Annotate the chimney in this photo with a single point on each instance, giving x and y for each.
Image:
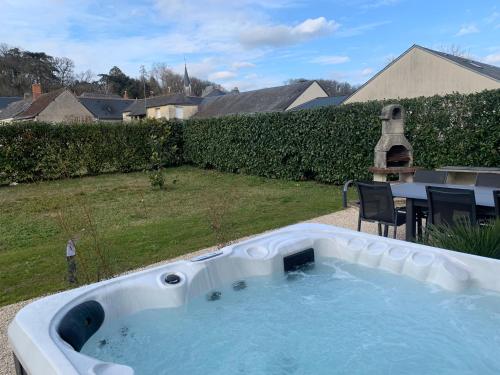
(36, 90)
(125, 94)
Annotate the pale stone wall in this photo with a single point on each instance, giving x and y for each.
(189, 111)
(421, 73)
(168, 111)
(126, 117)
(312, 92)
(65, 108)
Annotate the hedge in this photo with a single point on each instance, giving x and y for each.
(330, 144)
(33, 151)
(334, 144)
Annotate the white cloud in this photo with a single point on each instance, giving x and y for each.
(281, 35)
(222, 75)
(494, 58)
(361, 29)
(467, 29)
(330, 60)
(379, 3)
(366, 71)
(242, 64)
(493, 17)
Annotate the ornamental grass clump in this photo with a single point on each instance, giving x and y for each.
(483, 240)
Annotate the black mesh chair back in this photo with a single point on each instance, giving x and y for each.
(488, 179)
(430, 177)
(449, 206)
(376, 201)
(496, 198)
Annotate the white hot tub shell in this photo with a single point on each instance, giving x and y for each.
(34, 334)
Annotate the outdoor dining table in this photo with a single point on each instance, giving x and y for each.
(416, 198)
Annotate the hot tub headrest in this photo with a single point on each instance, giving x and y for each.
(81, 322)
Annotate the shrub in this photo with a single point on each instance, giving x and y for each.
(335, 144)
(32, 151)
(472, 239)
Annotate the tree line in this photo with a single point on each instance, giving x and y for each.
(19, 69)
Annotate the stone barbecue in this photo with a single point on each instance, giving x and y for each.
(393, 152)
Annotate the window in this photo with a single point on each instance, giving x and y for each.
(179, 112)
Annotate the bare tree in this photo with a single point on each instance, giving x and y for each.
(169, 81)
(455, 50)
(64, 70)
(87, 76)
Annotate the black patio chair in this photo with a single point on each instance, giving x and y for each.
(377, 206)
(488, 179)
(496, 198)
(449, 205)
(430, 177)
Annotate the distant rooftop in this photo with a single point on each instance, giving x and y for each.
(100, 95)
(106, 108)
(6, 100)
(322, 102)
(272, 99)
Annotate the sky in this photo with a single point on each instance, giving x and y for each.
(250, 44)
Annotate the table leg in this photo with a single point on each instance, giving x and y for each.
(411, 219)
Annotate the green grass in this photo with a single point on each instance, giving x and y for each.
(136, 225)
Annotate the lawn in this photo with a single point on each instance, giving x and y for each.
(124, 224)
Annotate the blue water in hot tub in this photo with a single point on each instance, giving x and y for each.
(335, 318)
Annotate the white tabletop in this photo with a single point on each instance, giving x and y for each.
(416, 190)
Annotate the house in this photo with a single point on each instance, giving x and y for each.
(55, 106)
(272, 99)
(421, 71)
(175, 106)
(63, 106)
(215, 102)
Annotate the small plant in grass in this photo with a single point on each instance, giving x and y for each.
(218, 208)
(464, 237)
(92, 259)
(161, 151)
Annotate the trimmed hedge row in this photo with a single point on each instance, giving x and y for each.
(334, 144)
(36, 151)
(330, 144)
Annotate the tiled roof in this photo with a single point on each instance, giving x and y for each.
(39, 105)
(136, 108)
(99, 95)
(321, 102)
(14, 109)
(272, 99)
(6, 100)
(106, 108)
(174, 99)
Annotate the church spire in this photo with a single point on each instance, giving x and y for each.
(186, 80)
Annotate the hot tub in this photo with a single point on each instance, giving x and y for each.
(305, 299)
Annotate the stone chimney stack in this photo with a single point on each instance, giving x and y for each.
(36, 90)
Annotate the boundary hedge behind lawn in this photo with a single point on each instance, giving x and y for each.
(334, 144)
(33, 151)
(330, 144)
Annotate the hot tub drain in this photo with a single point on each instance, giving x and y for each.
(172, 279)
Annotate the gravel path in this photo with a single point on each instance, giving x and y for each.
(346, 218)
